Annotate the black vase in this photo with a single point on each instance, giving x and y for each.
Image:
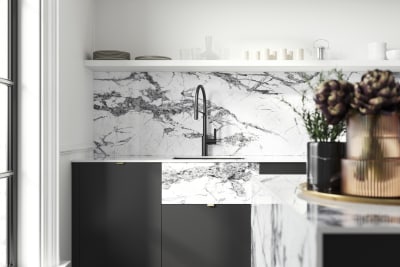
(324, 166)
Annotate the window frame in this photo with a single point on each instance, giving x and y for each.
(11, 174)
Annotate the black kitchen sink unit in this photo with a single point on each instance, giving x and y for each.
(118, 220)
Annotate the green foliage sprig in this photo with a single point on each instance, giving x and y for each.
(318, 128)
(316, 125)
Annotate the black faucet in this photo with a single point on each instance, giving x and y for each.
(204, 140)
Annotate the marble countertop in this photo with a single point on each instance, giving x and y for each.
(189, 159)
(290, 230)
(331, 215)
(266, 190)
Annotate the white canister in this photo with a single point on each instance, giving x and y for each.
(377, 51)
(299, 54)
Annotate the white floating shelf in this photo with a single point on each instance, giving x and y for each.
(243, 66)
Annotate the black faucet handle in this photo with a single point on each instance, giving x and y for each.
(212, 141)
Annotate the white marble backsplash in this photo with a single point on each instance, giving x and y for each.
(151, 113)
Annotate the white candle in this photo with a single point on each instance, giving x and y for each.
(258, 55)
(247, 55)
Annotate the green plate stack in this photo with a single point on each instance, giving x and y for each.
(152, 58)
(111, 55)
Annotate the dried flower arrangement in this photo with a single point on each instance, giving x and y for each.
(376, 93)
(371, 108)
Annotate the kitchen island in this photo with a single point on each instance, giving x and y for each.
(297, 230)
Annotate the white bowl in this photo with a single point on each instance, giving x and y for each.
(393, 54)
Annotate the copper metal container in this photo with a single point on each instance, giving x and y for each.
(372, 167)
(371, 178)
(373, 136)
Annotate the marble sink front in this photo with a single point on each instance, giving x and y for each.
(213, 183)
(207, 157)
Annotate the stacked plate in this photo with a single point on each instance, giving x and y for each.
(152, 58)
(111, 55)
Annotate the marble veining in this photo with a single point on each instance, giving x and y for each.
(281, 239)
(151, 113)
(213, 183)
(289, 232)
(329, 214)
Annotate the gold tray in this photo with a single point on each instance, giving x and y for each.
(347, 198)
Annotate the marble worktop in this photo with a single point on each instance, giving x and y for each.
(171, 159)
(290, 229)
(330, 215)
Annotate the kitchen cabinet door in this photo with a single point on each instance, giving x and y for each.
(199, 236)
(116, 214)
(360, 249)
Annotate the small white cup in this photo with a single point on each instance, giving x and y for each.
(393, 54)
(377, 51)
(196, 53)
(185, 54)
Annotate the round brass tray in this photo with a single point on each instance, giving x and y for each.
(346, 198)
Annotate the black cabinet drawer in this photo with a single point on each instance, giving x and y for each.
(199, 236)
(116, 214)
(283, 168)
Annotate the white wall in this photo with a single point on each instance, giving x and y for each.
(65, 199)
(163, 27)
(76, 104)
(29, 134)
(75, 80)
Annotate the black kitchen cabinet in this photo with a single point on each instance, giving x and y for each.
(201, 236)
(360, 250)
(116, 214)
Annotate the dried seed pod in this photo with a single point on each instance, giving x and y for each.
(333, 98)
(377, 92)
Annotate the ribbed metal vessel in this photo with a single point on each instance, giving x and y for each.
(359, 147)
(372, 166)
(371, 178)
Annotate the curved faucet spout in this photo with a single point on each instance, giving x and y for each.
(196, 104)
(204, 139)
